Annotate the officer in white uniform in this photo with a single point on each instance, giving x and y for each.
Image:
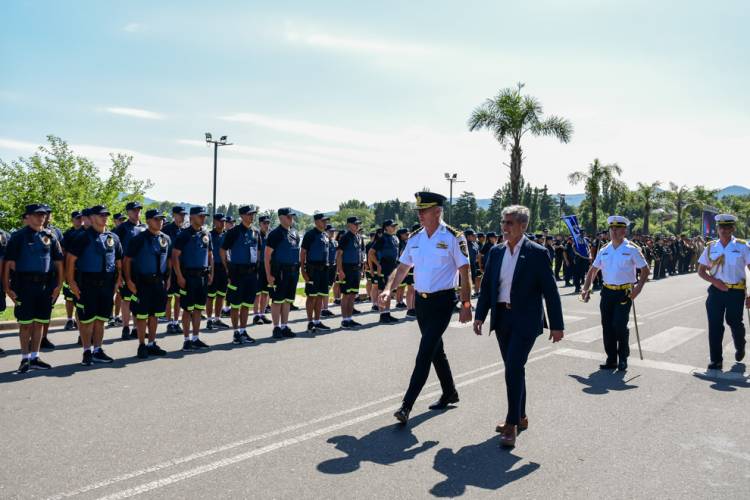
(619, 261)
(438, 254)
(723, 263)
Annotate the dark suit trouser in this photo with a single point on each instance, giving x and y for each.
(615, 309)
(720, 305)
(433, 316)
(515, 346)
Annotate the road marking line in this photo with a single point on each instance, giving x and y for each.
(572, 319)
(668, 339)
(659, 365)
(229, 446)
(592, 334)
(180, 476)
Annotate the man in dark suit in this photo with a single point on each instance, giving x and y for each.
(517, 276)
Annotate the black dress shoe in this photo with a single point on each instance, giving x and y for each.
(622, 366)
(402, 415)
(609, 365)
(444, 401)
(715, 365)
(739, 355)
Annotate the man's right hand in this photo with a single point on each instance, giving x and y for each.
(720, 285)
(342, 275)
(384, 298)
(585, 295)
(271, 280)
(132, 288)
(181, 282)
(478, 326)
(75, 290)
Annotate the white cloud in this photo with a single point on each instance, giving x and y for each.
(132, 27)
(318, 39)
(136, 113)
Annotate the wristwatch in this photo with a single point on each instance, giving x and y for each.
(466, 304)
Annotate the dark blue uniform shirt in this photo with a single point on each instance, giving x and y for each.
(149, 253)
(316, 243)
(126, 231)
(33, 251)
(285, 245)
(386, 247)
(194, 246)
(96, 252)
(242, 244)
(351, 247)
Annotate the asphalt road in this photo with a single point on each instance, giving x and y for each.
(311, 417)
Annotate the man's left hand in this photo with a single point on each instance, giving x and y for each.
(556, 335)
(635, 292)
(747, 302)
(465, 315)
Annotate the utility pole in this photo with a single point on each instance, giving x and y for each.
(451, 178)
(221, 142)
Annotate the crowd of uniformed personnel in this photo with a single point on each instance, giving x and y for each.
(133, 272)
(142, 271)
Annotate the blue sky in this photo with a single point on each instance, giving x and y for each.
(327, 101)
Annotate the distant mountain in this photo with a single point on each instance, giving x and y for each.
(573, 200)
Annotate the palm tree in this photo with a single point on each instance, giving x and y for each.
(598, 177)
(510, 116)
(681, 198)
(648, 195)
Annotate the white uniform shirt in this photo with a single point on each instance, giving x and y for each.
(618, 265)
(726, 263)
(436, 259)
(507, 269)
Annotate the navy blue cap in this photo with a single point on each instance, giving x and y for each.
(247, 209)
(154, 213)
(86, 212)
(229, 218)
(118, 216)
(401, 231)
(98, 210)
(264, 218)
(469, 232)
(132, 205)
(492, 234)
(330, 227)
(219, 216)
(388, 223)
(285, 211)
(353, 220)
(198, 210)
(47, 208)
(426, 199)
(35, 208)
(177, 209)
(75, 214)
(321, 217)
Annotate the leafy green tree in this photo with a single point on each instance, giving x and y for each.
(57, 176)
(595, 179)
(649, 197)
(464, 211)
(354, 208)
(679, 198)
(510, 116)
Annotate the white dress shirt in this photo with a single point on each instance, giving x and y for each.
(436, 259)
(507, 268)
(618, 265)
(726, 263)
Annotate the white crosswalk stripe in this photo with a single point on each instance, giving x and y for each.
(668, 339)
(592, 334)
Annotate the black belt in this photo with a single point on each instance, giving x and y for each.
(287, 267)
(96, 279)
(33, 277)
(504, 305)
(202, 271)
(150, 279)
(316, 265)
(432, 295)
(350, 267)
(242, 269)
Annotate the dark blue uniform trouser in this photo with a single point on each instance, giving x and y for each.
(580, 268)
(615, 309)
(721, 305)
(515, 345)
(433, 316)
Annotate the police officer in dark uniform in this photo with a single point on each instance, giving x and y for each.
(94, 272)
(445, 255)
(261, 296)
(383, 256)
(117, 219)
(403, 236)
(240, 254)
(331, 269)
(314, 265)
(31, 255)
(471, 241)
(282, 270)
(217, 290)
(126, 231)
(490, 241)
(172, 230)
(46, 343)
(147, 274)
(4, 238)
(193, 263)
(67, 239)
(348, 266)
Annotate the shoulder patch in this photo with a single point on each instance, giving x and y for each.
(455, 232)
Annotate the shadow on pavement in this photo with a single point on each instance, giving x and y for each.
(484, 465)
(602, 382)
(725, 383)
(385, 446)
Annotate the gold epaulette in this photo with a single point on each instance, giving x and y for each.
(455, 232)
(414, 233)
(740, 241)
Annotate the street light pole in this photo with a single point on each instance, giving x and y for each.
(222, 141)
(451, 178)
(562, 202)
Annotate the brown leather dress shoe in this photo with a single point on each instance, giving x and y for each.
(508, 437)
(522, 426)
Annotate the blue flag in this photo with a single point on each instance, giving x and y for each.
(579, 244)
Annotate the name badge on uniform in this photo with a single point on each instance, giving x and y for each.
(442, 244)
(625, 253)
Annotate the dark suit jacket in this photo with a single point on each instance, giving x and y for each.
(532, 280)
